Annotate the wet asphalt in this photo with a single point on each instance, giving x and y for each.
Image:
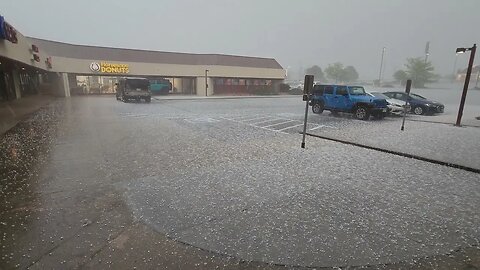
(90, 182)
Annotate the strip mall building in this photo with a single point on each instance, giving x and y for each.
(31, 65)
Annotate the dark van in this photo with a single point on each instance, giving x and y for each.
(133, 89)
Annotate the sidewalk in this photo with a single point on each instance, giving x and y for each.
(12, 112)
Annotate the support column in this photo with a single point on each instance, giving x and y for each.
(16, 83)
(178, 84)
(65, 84)
(201, 86)
(276, 85)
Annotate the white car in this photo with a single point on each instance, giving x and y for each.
(296, 85)
(395, 106)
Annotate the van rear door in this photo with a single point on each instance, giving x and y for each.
(140, 85)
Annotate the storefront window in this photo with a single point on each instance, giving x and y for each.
(28, 83)
(94, 85)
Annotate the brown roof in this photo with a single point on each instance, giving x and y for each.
(61, 49)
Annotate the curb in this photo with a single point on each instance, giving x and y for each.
(25, 116)
(225, 97)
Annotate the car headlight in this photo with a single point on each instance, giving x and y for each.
(428, 104)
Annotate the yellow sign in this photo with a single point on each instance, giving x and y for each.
(105, 67)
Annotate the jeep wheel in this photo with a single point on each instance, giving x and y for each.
(362, 113)
(317, 108)
(418, 110)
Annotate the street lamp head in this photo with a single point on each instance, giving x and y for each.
(462, 50)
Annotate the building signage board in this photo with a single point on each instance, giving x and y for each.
(7, 32)
(2, 28)
(112, 68)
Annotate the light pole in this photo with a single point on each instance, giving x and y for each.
(206, 82)
(427, 51)
(454, 74)
(467, 80)
(381, 67)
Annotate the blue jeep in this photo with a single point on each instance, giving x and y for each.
(349, 99)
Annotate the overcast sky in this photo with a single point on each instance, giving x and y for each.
(298, 33)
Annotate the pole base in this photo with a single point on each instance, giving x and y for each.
(303, 145)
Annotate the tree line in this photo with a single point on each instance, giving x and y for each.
(418, 70)
(335, 72)
(421, 72)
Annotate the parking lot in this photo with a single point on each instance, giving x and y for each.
(223, 183)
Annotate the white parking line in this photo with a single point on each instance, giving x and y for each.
(289, 127)
(322, 126)
(317, 127)
(258, 118)
(281, 123)
(266, 121)
(134, 115)
(243, 118)
(240, 122)
(201, 120)
(274, 130)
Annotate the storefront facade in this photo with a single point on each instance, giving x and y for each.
(28, 65)
(24, 68)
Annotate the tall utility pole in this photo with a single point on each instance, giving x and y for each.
(467, 80)
(427, 51)
(206, 82)
(381, 67)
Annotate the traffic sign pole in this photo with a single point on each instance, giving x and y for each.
(407, 91)
(307, 89)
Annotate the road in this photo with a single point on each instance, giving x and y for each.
(90, 182)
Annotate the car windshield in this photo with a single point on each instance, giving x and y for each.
(356, 90)
(415, 96)
(379, 95)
